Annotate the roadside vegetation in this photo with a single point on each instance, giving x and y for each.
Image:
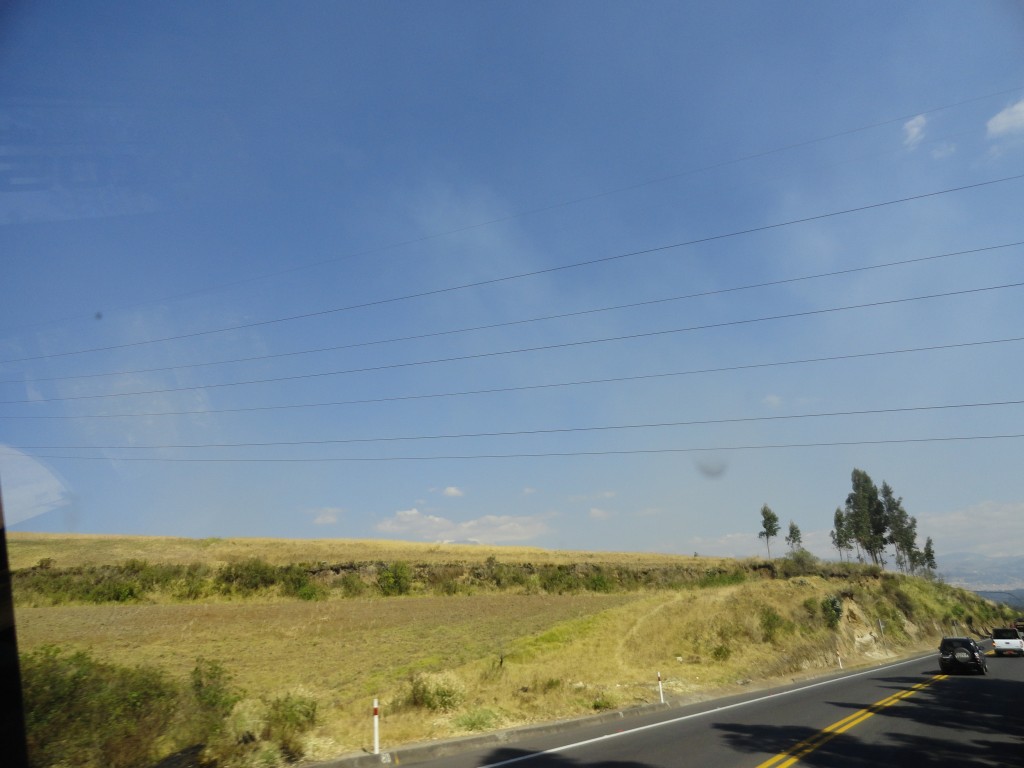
(85, 712)
(46, 583)
(257, 661)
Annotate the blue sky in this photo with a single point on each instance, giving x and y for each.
(279, 270)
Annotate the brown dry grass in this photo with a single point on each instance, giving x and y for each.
(67, 550)
(343, 652)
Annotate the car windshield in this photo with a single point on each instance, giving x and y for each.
(380, 349)
(956, 642)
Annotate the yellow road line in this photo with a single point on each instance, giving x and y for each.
(798, 751)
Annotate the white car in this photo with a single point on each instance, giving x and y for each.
(1007, 641)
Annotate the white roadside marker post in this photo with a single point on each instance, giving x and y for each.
(376, 727)
(661, 691)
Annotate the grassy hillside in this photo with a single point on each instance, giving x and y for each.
(478, 638)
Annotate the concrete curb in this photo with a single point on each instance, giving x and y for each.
(411, 753)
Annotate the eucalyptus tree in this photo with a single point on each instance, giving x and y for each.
(769, 527)
(794, 539)
(841, 537)
(866, 515)
(902, 527)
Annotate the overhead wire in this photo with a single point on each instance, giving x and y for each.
(548, 454)
(566, 203)
(521, 350)
(510, 323)
(524, 432)
(507, 278)
(526, 387)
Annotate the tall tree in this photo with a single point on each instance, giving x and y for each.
(866, 514)
(929, 554)
(793, 538)
(902, 528)
(840, 533)
(769, 527)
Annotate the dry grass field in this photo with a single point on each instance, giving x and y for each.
(27, 549)
(343, 652)
(509, 657)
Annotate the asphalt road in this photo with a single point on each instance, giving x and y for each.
(907, 715)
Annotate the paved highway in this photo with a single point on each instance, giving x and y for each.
(906, 714)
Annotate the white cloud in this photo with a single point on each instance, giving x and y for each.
(327, 516)
(1009, 121)
(529, 491)
(913, 131)
(451, 490)
(30, 488)
(945, 149)
(489, 529)
(772, 401)
(599, 514)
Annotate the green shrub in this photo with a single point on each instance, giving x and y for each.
(127, 582)
(446, 579)
(799, 563)
(559, 579)
(114, 589)
(352, 585)
(296, 581)
(721, 652)
(247, 576)
(832, 610)
(394, 579)
(288, 718)
(599, 581)
(477, 720)
(261, 733)
(194, 582)
(89, 714)
(437, 691)
(603, 701)
(214, 695)
(503, 575)
(771, 624)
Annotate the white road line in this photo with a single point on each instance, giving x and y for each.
(638, 729)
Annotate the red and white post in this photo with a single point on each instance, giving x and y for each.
(661, 691)
(376, 727)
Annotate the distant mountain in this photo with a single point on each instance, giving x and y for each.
(1012, 597)
(981, 573)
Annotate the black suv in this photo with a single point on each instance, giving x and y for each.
(961, 653)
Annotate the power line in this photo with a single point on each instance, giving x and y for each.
(521, 350)
(561, 204)
(528, 387)
(524, 432)
(553, 454)
(560, 316)
(507, 278)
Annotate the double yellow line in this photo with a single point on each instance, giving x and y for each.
(825, 735)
